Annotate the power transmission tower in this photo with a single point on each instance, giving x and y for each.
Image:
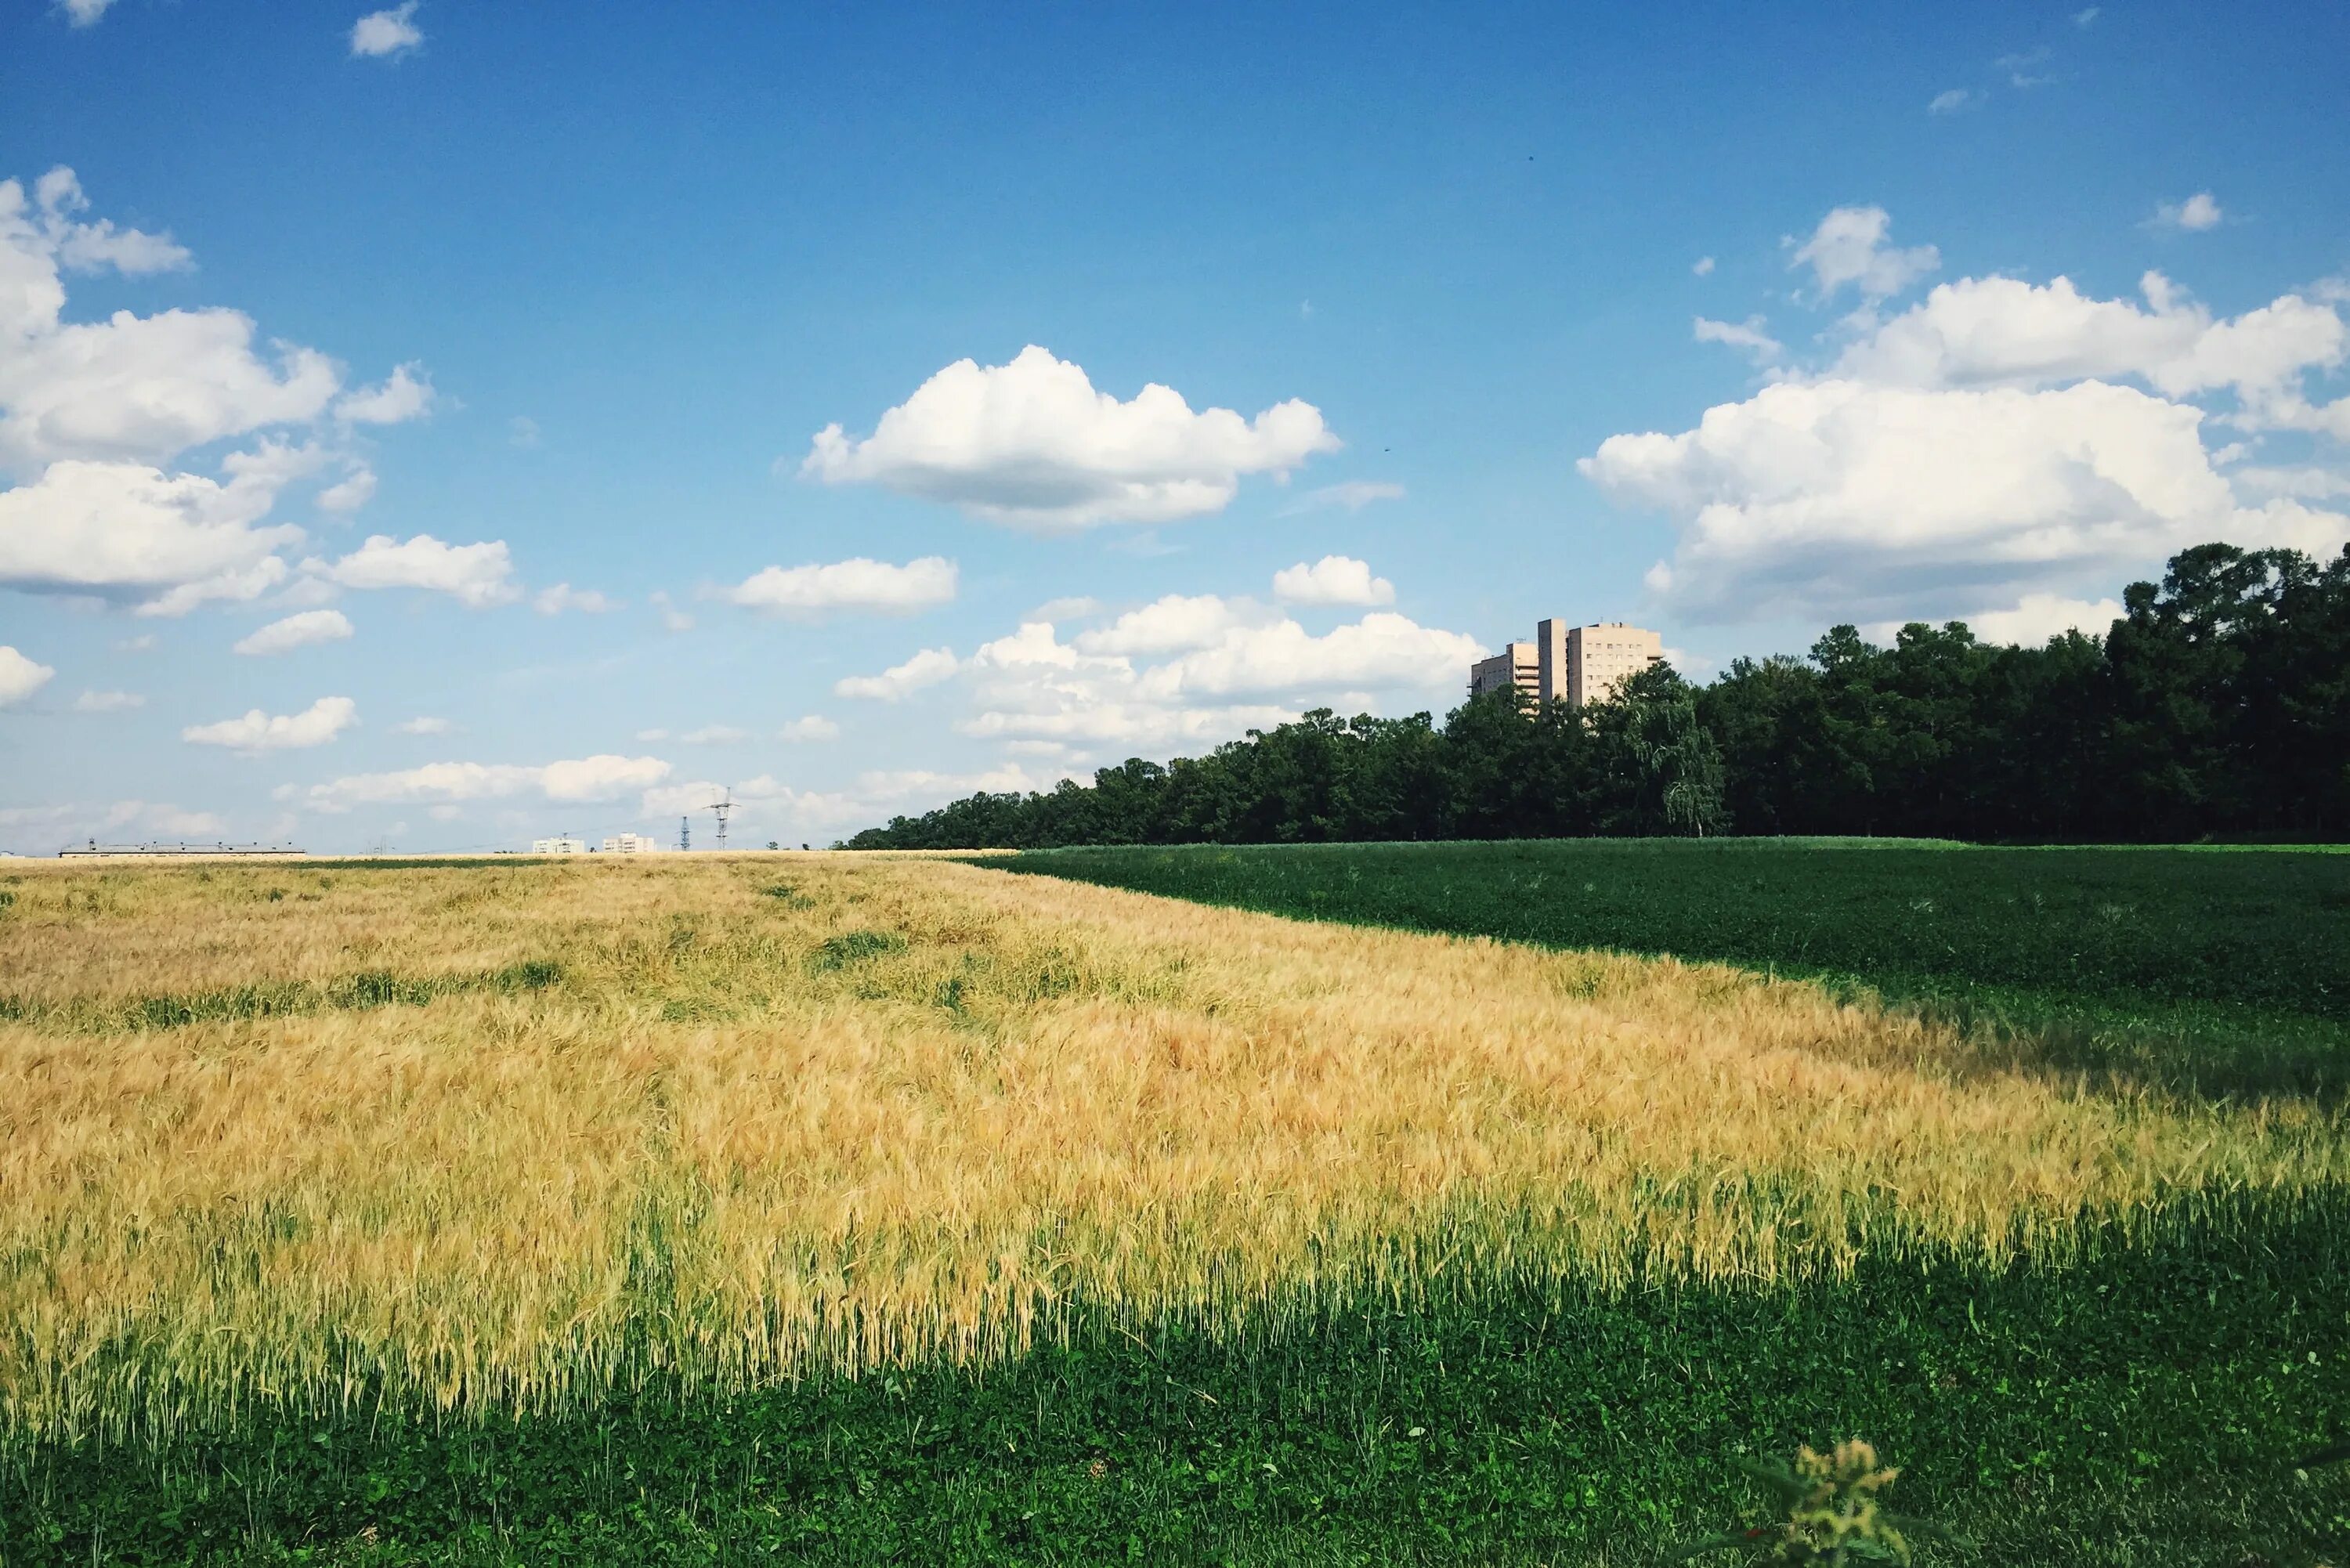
(719, 808)
(684, 833)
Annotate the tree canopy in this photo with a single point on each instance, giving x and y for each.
(2217, 706)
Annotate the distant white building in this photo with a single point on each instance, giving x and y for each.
(1569, 664)
(563, 845)
(631, 843)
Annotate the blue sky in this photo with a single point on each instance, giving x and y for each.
(475, 358)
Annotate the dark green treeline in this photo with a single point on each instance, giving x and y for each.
(2217, 705)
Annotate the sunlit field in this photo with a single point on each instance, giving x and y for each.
(2212, 970)
(482, 1144)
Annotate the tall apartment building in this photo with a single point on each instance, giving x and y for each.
(631, 843)
(1569, 664)
(1513, 665)
(566, 845)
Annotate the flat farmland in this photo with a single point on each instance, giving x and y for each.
(2218, 971)
(855, 1208)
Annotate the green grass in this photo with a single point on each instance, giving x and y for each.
(2145, 1407)
(2214, 972)
(360, 992)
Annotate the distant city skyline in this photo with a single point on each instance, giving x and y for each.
(453, 426)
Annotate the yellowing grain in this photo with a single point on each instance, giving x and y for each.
(721, 1150)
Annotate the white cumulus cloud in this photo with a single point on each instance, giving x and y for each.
(296, 631)
(405, 395)
(857, 586)
(423, 724)
(2001, 331)
(1172, 624)
(600, 777)
(476, 575)
(809, 727)
(2309, 483)
(1032, 443)
(1235, 666)
(1332, 580)
(381, 35)
(92, 414)
(2036, 617)
(1842, 500)
(138, 389)
(108, 702)
(315, 725)
(1185, 671)
(1989, 452)
(20, 676)
(1383, 651)
(93, 246)
(926, 669)
(2196, 213)
(126, 532)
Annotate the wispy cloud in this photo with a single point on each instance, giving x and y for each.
(1353, 495)
(1747, 335)
(2029, 68)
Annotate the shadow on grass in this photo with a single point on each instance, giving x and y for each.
(2198, 1051)
(2142, 1406)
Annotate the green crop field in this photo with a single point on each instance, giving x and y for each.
(860, 1209)
(2210, 971)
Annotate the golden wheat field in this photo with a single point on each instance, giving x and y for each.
(505, 1137)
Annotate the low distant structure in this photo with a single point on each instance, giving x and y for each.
(1569, 664)
(174, 851)
(561, 844)
(630, 843)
